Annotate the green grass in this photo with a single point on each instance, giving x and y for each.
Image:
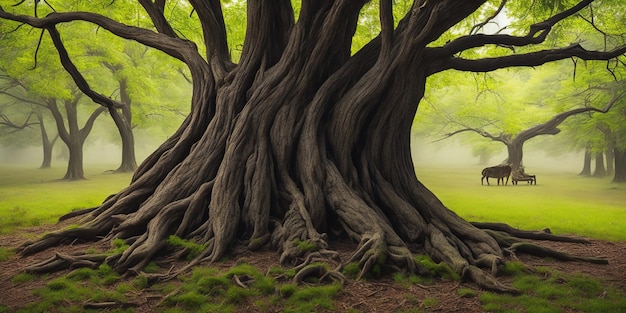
(31, 196)
(548, 290)
(563, 202)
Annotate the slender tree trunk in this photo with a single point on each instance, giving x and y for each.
(610, 161)
(620, 166)
(586, 164)
(600, 170)
(123, 122)
(47, 144)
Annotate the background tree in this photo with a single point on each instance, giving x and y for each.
(300, 137)
(501, 108)
(16, 104)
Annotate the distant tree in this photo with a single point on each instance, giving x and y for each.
(586, 171)
(15, 102)
(506, 126)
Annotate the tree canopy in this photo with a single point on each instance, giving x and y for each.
(302, 140)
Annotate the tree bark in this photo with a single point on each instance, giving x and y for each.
(586, 171)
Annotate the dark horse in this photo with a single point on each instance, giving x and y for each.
(499, 172)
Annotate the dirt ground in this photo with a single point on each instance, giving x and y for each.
(381, 295)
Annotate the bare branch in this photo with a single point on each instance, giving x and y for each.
(6, 121)
(478, 26)
(501, 137)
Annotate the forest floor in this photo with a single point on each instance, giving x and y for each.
(376, 295)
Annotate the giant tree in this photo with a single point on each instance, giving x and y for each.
(300, 140)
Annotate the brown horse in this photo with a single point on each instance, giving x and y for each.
(499, 172)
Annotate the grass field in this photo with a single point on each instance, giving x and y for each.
(31, 196)
(564, 202)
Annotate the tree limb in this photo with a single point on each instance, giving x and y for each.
(75, 73)
(174, 47)
(550, 127)
(501, 137)
(155, 10)
(6, 121)
(486, 21)
(443, 57)
(532, 59)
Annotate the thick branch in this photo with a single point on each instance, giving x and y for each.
(173, 46)
(214, 29)
(530, 59)
(75, 73)
(550, 127)
(155, 10)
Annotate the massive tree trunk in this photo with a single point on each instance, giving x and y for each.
(586, 164)
(297, 141)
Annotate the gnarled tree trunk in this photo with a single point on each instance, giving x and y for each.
(298, 140)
